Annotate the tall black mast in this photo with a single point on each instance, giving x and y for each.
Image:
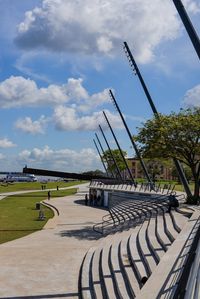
(131, 138)
(188, 25)
(104, 154)
(100, 157)
(113, 158)
(121, 153)
(137, 72)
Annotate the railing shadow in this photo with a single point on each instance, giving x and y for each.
(86, 233)
(97, 206)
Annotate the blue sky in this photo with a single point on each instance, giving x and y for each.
(59, 58)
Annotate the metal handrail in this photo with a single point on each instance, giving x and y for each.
(122, 211)
(181, 286)
(193, 285)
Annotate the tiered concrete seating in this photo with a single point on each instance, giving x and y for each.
(128, 209)
(166, 280)
(119, 264)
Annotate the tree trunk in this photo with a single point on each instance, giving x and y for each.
(196, 189)
(195, 174)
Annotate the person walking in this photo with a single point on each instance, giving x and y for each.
(86, 199)
(49, 195)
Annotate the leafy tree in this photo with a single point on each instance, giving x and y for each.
(187, 172)
(174, 136)
(94, 172)
(118, 158)
(154, 167)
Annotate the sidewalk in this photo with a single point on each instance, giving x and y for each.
(5, 194)
(46, 264)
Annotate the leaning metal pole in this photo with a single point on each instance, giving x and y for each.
(121, 153)
(188, 25)
(131, 139)
(110, 151)
(100, 157)
(137, 72)
(104, 154)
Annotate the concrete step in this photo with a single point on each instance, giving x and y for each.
(169, 227)
(161, 234)
(116, 267)
(107, 278)
(178, 219)
(96, 277)
(119, 281)
(130, 277)
(153, 242)
(163, 281)
(148, 259)
(135, 258)
(86, 288)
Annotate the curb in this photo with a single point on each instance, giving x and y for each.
(51, 223)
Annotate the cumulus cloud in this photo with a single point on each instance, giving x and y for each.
(67, 119)
(19, 92)
(191, 6)
(27, 125)
(101, 26)
(5, 143)
(192, 96)
(74, 108)
(64, 159)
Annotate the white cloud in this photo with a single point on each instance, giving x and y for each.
(67, 119)
(101, 27)
(63, 160)
(20, 92)
(192, 96)
(5, 143)
(191, 6)
(27, 125)
(74, 107)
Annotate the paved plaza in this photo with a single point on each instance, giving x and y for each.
(46, 263)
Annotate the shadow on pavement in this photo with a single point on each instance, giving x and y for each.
(86, 233)
(82, 202)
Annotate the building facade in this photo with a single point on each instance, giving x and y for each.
(156, 170)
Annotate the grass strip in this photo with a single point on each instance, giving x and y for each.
(19, 217)
(22, 186)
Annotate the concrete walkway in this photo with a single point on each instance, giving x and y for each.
(5, 194)
(46, 264)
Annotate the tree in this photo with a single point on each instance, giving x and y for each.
(174, 136)
(187, 172)
(118, 158)
(94, 172)
(154, 167)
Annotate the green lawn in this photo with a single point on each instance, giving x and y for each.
(178, 186)
(19, 217)
(4, 187)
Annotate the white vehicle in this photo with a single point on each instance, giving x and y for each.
(20, 178)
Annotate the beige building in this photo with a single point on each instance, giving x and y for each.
(155, 169)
